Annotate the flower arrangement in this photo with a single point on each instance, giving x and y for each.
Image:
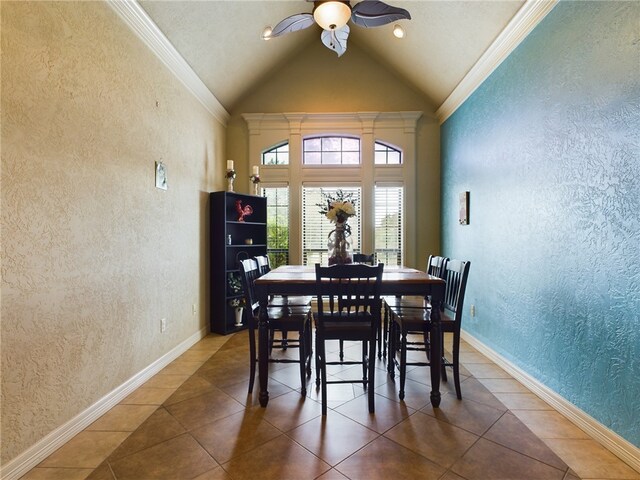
(234, 283)
(237, 302)
(339, 207)
(254, 178)
(231, 174)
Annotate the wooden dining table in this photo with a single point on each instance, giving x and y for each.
(301, 280)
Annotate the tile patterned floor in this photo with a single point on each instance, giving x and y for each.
(194, 420)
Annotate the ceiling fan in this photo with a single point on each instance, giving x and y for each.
(333, 15)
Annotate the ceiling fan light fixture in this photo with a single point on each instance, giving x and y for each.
(332, 14)
(266, 33)
(398, 31)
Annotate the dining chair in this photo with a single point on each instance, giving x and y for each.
(436, 266)
(288, 318)
(264, 265)
(408, 319)
(369, 260)
(349, 306)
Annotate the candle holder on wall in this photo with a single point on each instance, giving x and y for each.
(255, 179)
(231, 175)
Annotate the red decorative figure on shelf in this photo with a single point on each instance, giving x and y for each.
(243, 211)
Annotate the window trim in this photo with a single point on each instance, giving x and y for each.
(396, 128)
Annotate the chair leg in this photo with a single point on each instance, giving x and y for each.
(456, 364)
(386, 319)
(341, 350)
(381, 340)
(252, 359)
(364, 364)
(272, 334)
(372, 368)
(309, 345)
(323, 374)
(302, 341)
(318, 362)
(403, 361)
(427, 346)
(391, 355)
(443, 374)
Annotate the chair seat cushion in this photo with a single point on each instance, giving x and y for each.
(406, 302)
(297, 300)
(288, 318)
(418, 319)
(347, 327)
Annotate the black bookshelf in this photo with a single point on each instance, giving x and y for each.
(232, 240)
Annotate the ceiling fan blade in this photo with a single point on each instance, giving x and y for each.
(293, 23)
(372, 13)
(336, 40)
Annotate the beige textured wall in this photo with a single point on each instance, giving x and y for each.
(318, 81)
(93, 255)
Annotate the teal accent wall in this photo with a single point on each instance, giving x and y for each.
(549, 149)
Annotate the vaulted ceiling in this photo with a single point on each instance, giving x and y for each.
(221, 40)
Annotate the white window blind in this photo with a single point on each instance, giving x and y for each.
(316, 227)
(388, 224)
(277, 224)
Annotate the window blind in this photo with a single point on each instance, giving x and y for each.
(277, 224)
(316, 227)
(388, 224)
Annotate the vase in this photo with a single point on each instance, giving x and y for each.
(238, 312)
(338, 245)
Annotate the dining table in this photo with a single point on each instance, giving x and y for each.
(289, 280)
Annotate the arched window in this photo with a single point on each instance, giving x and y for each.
(278, 155)
(387, 155)
(331, 151)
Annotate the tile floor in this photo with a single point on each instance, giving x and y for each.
(194, 420)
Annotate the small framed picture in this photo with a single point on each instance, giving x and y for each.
(161, 176)
(464, 209)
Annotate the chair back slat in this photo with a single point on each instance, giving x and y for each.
(436, 266)
(249, 271)
(264, 265)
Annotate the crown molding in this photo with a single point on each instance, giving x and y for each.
(523, 22)
(345, 120)
(137, 19)
(620, 447)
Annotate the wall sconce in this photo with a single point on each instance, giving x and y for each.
(230, 175)
(255, 179)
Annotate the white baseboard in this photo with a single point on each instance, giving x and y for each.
(623, 449)
(35, 454)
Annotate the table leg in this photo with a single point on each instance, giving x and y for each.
(263, 353)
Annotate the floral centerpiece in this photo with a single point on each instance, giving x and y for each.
(338, 208)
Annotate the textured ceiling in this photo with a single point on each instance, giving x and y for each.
(221, 40)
